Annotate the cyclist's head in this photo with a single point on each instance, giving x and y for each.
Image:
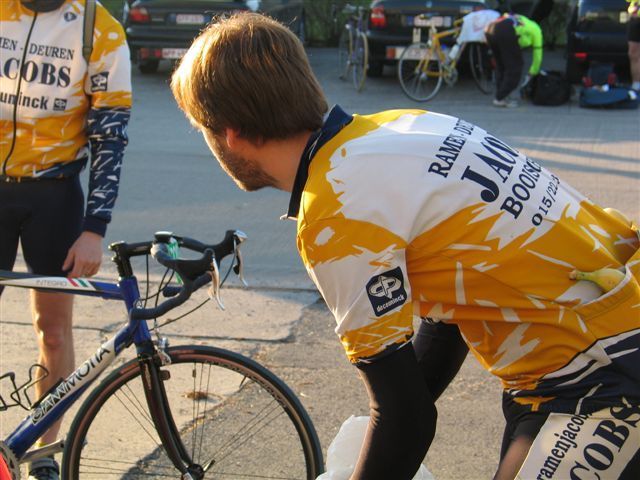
(42, 5)
(249, 73)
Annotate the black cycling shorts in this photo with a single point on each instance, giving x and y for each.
(45, 217)
(633, 33)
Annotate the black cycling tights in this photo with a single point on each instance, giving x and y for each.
(402, 418)
(403, 387)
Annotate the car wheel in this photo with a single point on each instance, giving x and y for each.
(148, 66)
(375, 69)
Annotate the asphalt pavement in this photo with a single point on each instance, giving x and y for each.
(170, 182)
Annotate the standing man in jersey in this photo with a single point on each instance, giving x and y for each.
(407, 212)
(58, 114)
(634, 43)
(507, 36)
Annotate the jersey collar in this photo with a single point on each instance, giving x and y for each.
(334, 122)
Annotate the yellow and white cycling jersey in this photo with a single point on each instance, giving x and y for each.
(57, 87)
(407, 213)
(56, 109)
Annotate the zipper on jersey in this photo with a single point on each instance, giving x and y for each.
(15, 105)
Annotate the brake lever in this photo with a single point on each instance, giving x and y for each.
(214, 290)
(238, 265)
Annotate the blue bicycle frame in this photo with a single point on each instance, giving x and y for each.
(194, 274)
(53, 405)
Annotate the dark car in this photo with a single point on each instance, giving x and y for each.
(391, 25)
(596, 32)
(163, 29)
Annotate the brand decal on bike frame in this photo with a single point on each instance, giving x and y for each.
(50, 282)
(87, 371)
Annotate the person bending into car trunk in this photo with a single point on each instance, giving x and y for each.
(506, 37)
(407, 212)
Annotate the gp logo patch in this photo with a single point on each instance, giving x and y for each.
(99, 82)
(386, 291)
(60, 104)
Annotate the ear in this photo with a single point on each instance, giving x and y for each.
(233, 138)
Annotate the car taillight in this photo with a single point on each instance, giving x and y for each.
(580, 56)
(377, 18)
(139, 15)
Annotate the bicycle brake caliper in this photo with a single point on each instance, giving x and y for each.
(162, 344)
(214, 289)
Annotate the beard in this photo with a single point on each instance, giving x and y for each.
(246, 173)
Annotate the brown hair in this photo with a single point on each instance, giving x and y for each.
(250, 73)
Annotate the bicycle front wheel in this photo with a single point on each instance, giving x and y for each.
(235, 418)
(481, 64)
(360, 61)
(420, 72)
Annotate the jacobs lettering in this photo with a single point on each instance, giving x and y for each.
(598, 456)
(43, 73)
(612, 433)
(629, 414)
(503, 170)
(580, 472)
(491, 190)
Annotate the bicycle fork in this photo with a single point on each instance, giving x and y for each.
(159, 408)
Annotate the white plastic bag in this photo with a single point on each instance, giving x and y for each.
(343, 451)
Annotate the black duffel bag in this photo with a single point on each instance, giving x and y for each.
(548, 88)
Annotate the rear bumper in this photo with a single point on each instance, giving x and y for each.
(379, 41)
(157, 40)
(600, 45)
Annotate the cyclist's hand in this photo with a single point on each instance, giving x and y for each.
(84, 256)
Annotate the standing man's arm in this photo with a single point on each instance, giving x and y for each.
(108, 85)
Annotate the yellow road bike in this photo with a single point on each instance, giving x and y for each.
(424, 66)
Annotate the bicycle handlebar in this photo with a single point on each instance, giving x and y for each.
(194, 273)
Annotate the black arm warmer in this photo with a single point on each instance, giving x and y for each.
(441, 351)
(402, 418)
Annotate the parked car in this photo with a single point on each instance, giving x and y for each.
(596, 32)
(391, 25)
(163, 29)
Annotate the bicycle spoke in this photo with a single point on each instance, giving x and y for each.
(141, 410)
(243, 435)
(204, 409)
(223, 412)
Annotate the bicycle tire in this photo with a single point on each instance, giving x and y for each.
(480, 63)
(241, 416)
(360, 63)
(420, 79)
(345, 47)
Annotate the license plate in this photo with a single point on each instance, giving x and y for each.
(189, 19)
(413, 52)
(173, 53)
(426, 21)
